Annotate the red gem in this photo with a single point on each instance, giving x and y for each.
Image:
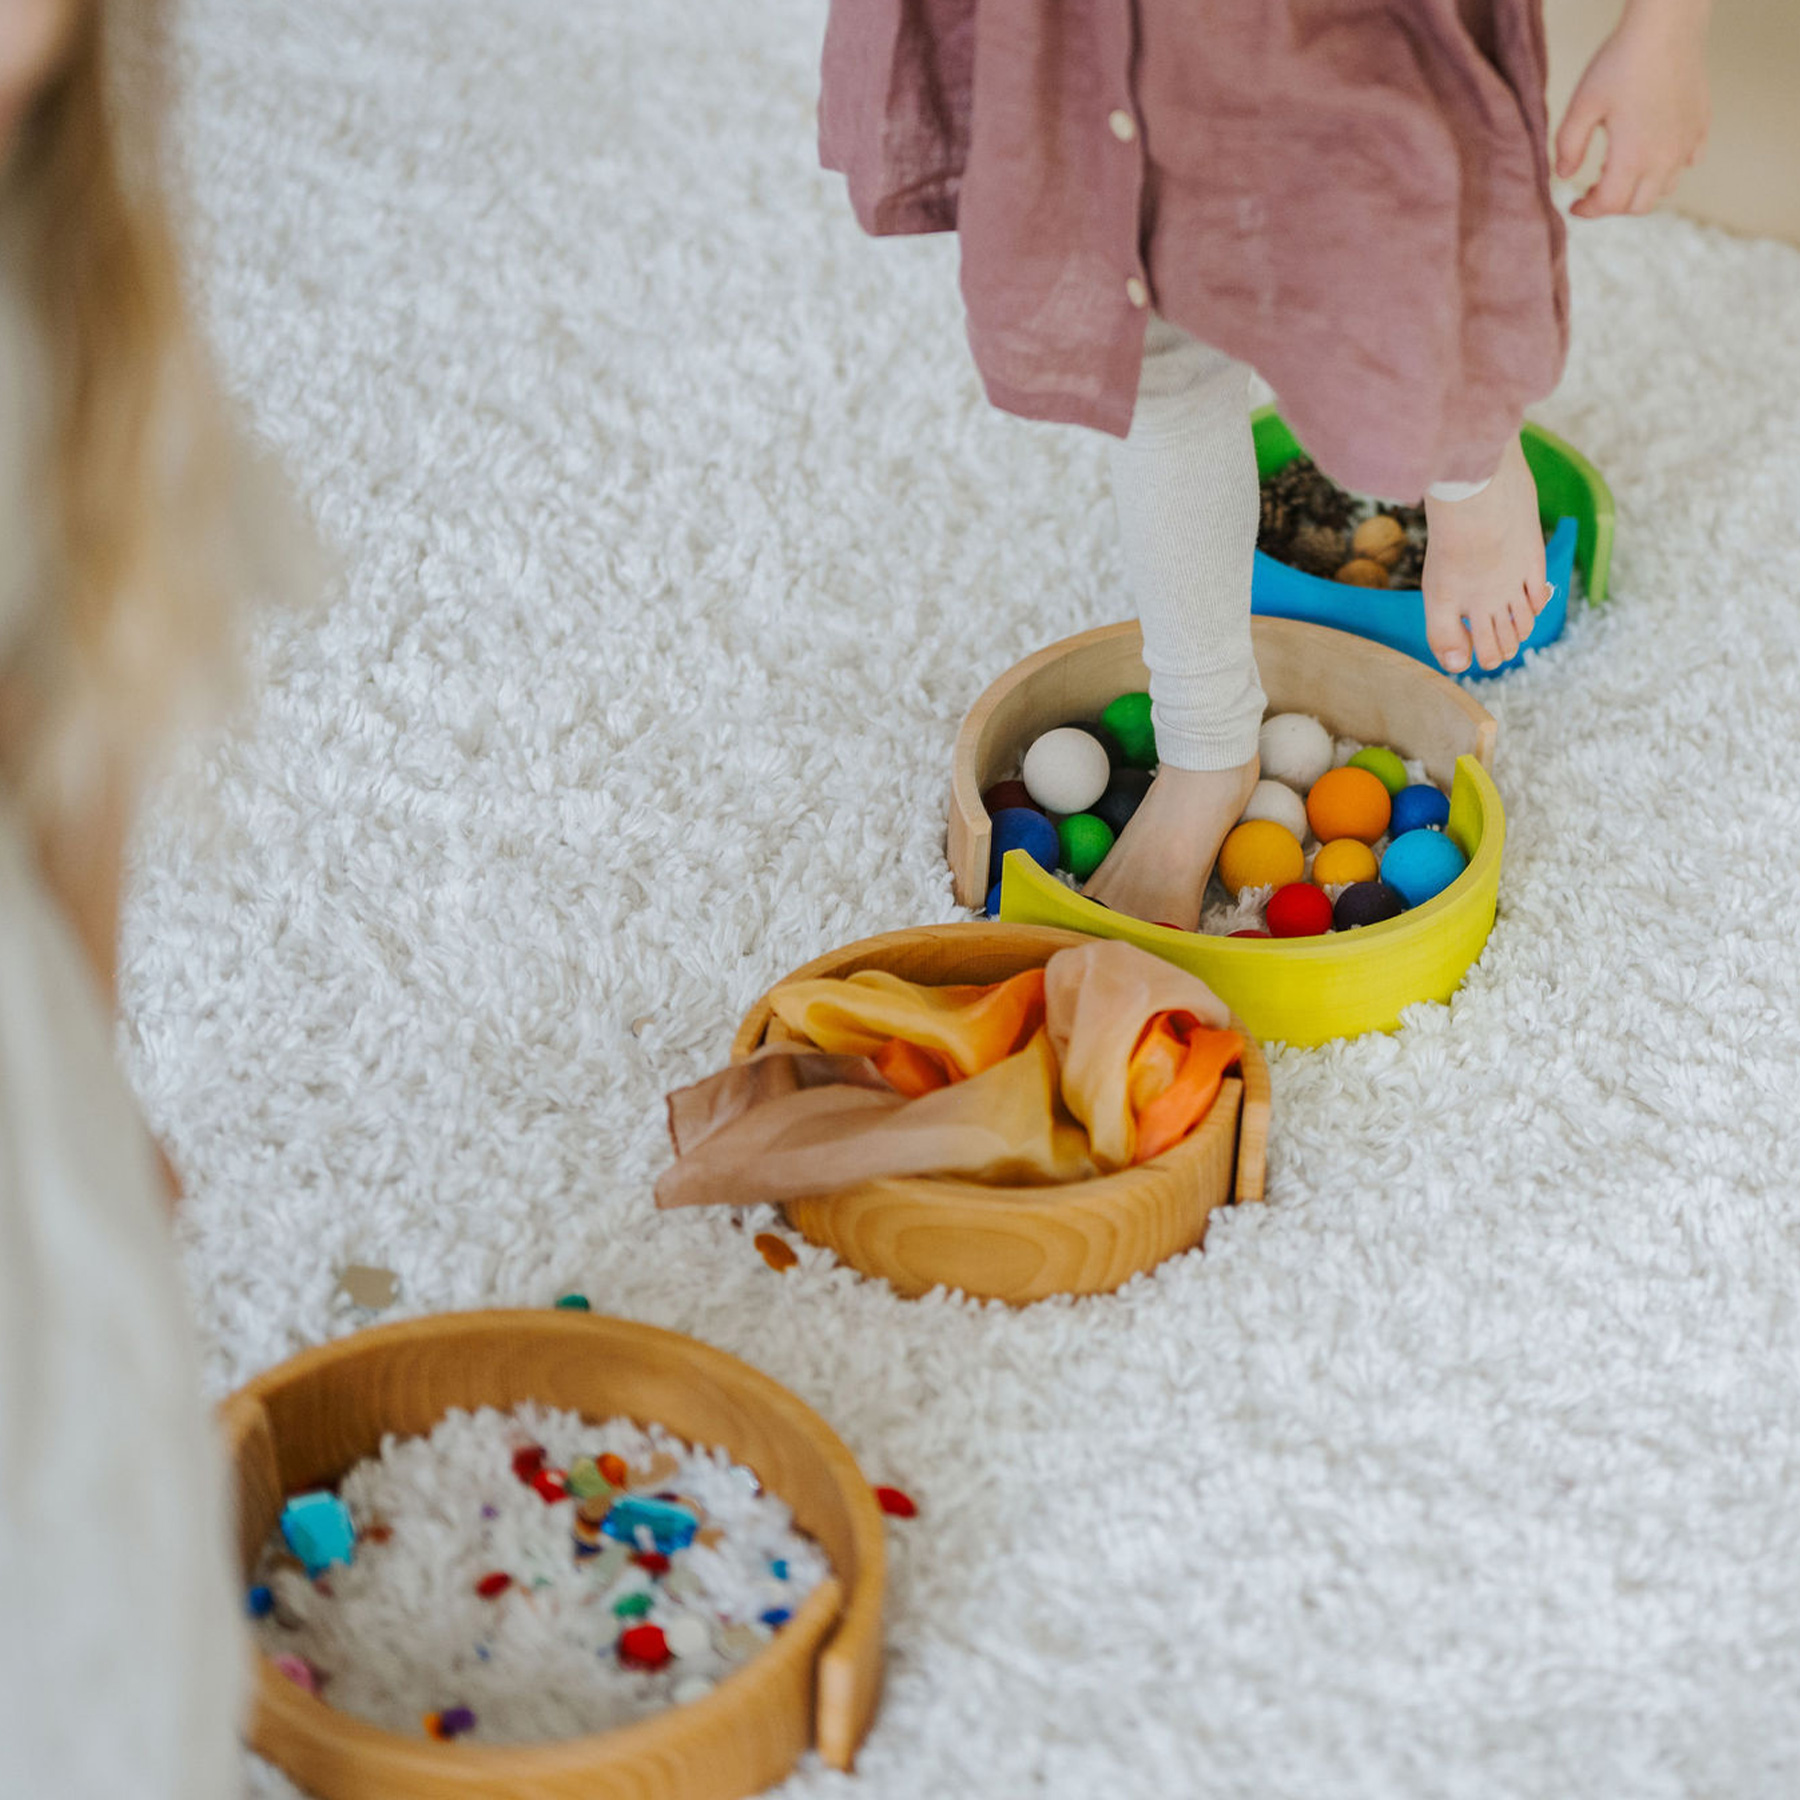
(434, 1726)
(653, 1561)
(490, 1585)
(1260, 934)
(895, 1503)
(527, 1462)
(377, 1534)
(552, 1485)
(614, 1469)
(644, 1647)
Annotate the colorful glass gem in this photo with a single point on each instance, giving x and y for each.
(527, 1462)
(490, 1587)
(644, 1647)
(632, 1606)
(895, 1504)
(670, 1528)
(319, 1531)
(574, 1303)
(259, 1602)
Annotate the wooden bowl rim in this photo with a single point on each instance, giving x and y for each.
(965, 783)
(806, 1640)
(980, 1199)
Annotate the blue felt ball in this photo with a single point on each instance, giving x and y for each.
(1421, 864)
(1418, 808)
(1019, 828)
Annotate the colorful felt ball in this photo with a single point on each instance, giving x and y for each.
(1124, 795)
(1116, 759)
(1419, 808)
(1299, 910)
(1085, 841)
(1348, 803)
(1342, 861)
(1128, 719)
(1008, 793)
(1367, 903)
(1294, 748)
(1019, 828)
(1278, 803)
(1066, 770)
(1260, 854)
(1421, 864)
(1384, 765)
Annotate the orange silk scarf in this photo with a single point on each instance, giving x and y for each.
(1104, 1058)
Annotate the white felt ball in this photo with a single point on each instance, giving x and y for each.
(1066, 770)
(1295, 749)
(1271, 800)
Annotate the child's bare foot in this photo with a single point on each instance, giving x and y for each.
(1484, 563)
(1159, 867)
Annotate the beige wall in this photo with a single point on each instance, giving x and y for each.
(1749, 179)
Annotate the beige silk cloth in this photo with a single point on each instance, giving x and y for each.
(1106, 1057)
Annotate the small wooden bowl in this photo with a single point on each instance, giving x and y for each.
(306, 1422)
(1296, 990)
(1024, 1244)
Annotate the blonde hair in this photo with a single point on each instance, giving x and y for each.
(140, 554)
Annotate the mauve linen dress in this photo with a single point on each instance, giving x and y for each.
(1351, 196)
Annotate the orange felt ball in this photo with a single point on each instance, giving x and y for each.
(1348, 803)
(1344, 860)
(1260, 853)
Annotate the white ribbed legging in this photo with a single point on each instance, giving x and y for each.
(1185, 485)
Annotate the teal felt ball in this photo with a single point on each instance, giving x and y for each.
(1421, 865)
(1085, 842)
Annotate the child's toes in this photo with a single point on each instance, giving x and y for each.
(1447, 636)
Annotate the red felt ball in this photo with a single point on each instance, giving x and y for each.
(1299, 910)
(1008, 793)
(644, 1647)
(652, 1562)
(895, 1503)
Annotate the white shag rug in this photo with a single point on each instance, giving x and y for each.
(677, 537)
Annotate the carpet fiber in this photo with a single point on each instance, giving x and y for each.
(675, 539)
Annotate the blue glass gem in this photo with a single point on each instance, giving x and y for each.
(671, 1528)
(319, 1531)
(259, 1602)
(776, 1617)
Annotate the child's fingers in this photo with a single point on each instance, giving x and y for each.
(1612, 192)
(1577, 130)
(1647, 195)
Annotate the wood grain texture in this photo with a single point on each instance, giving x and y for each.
(1360, 689)
(309, 1420)
(1024, 1244)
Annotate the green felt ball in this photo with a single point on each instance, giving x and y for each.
(1384, 765)
(1085, 841)
(1128, 719)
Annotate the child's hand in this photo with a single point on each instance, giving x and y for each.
(1647, 86)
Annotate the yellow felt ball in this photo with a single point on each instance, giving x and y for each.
(1344, 860)
(1260, 853)
(1348, 803)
